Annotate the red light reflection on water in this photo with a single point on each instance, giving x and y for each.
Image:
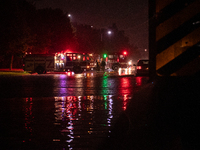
(125, 91)
(80, 116)
(125, 102)
(139, 81)
(125, 86)
(72, 118)
(28, 116)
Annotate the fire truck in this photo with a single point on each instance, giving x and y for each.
(76, 62)
(42, 63)
(116, 60)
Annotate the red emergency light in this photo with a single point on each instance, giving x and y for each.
(125, 53)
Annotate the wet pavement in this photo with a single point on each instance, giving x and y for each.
(99, 111)
(71, 122)
(62, 111)
(163, 115)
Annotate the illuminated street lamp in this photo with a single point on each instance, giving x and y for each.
(70, 17)
(109, 32)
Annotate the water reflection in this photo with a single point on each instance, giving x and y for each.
(80, 117)
(139, 81)
(79, 114)
(28, 117)
(110, 108)
(79, 121)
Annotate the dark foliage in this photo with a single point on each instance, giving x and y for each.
(16, 35)
(25, 29)
(53, 31)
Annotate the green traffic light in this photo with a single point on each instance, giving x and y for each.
(104, 55)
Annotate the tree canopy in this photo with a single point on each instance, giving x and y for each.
(25, 29)
(54, 32)
(15, 32)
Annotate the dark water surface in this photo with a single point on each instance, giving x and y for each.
(61, 111)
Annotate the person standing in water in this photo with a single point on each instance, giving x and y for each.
(98, 65)
(103, 64)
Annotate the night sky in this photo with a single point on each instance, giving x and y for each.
(129, 15)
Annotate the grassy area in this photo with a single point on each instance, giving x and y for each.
(13, 72)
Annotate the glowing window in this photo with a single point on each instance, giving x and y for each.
(110, 56)
(69, 54)
(121, 56)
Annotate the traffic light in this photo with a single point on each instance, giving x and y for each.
(125, 53)
(104, 55)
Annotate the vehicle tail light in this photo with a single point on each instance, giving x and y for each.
(139, 67)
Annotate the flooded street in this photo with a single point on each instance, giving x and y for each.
(62, 111)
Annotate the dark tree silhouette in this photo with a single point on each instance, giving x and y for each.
(25, 29)
(15, 35)
(53, 30)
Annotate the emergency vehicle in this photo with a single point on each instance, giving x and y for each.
(76, 62)
(42, 63)
(116, 60)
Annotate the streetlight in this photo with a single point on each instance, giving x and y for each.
(109, 32)
(69, 15)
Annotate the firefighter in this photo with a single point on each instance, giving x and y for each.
(98, 65)
(103, 64)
